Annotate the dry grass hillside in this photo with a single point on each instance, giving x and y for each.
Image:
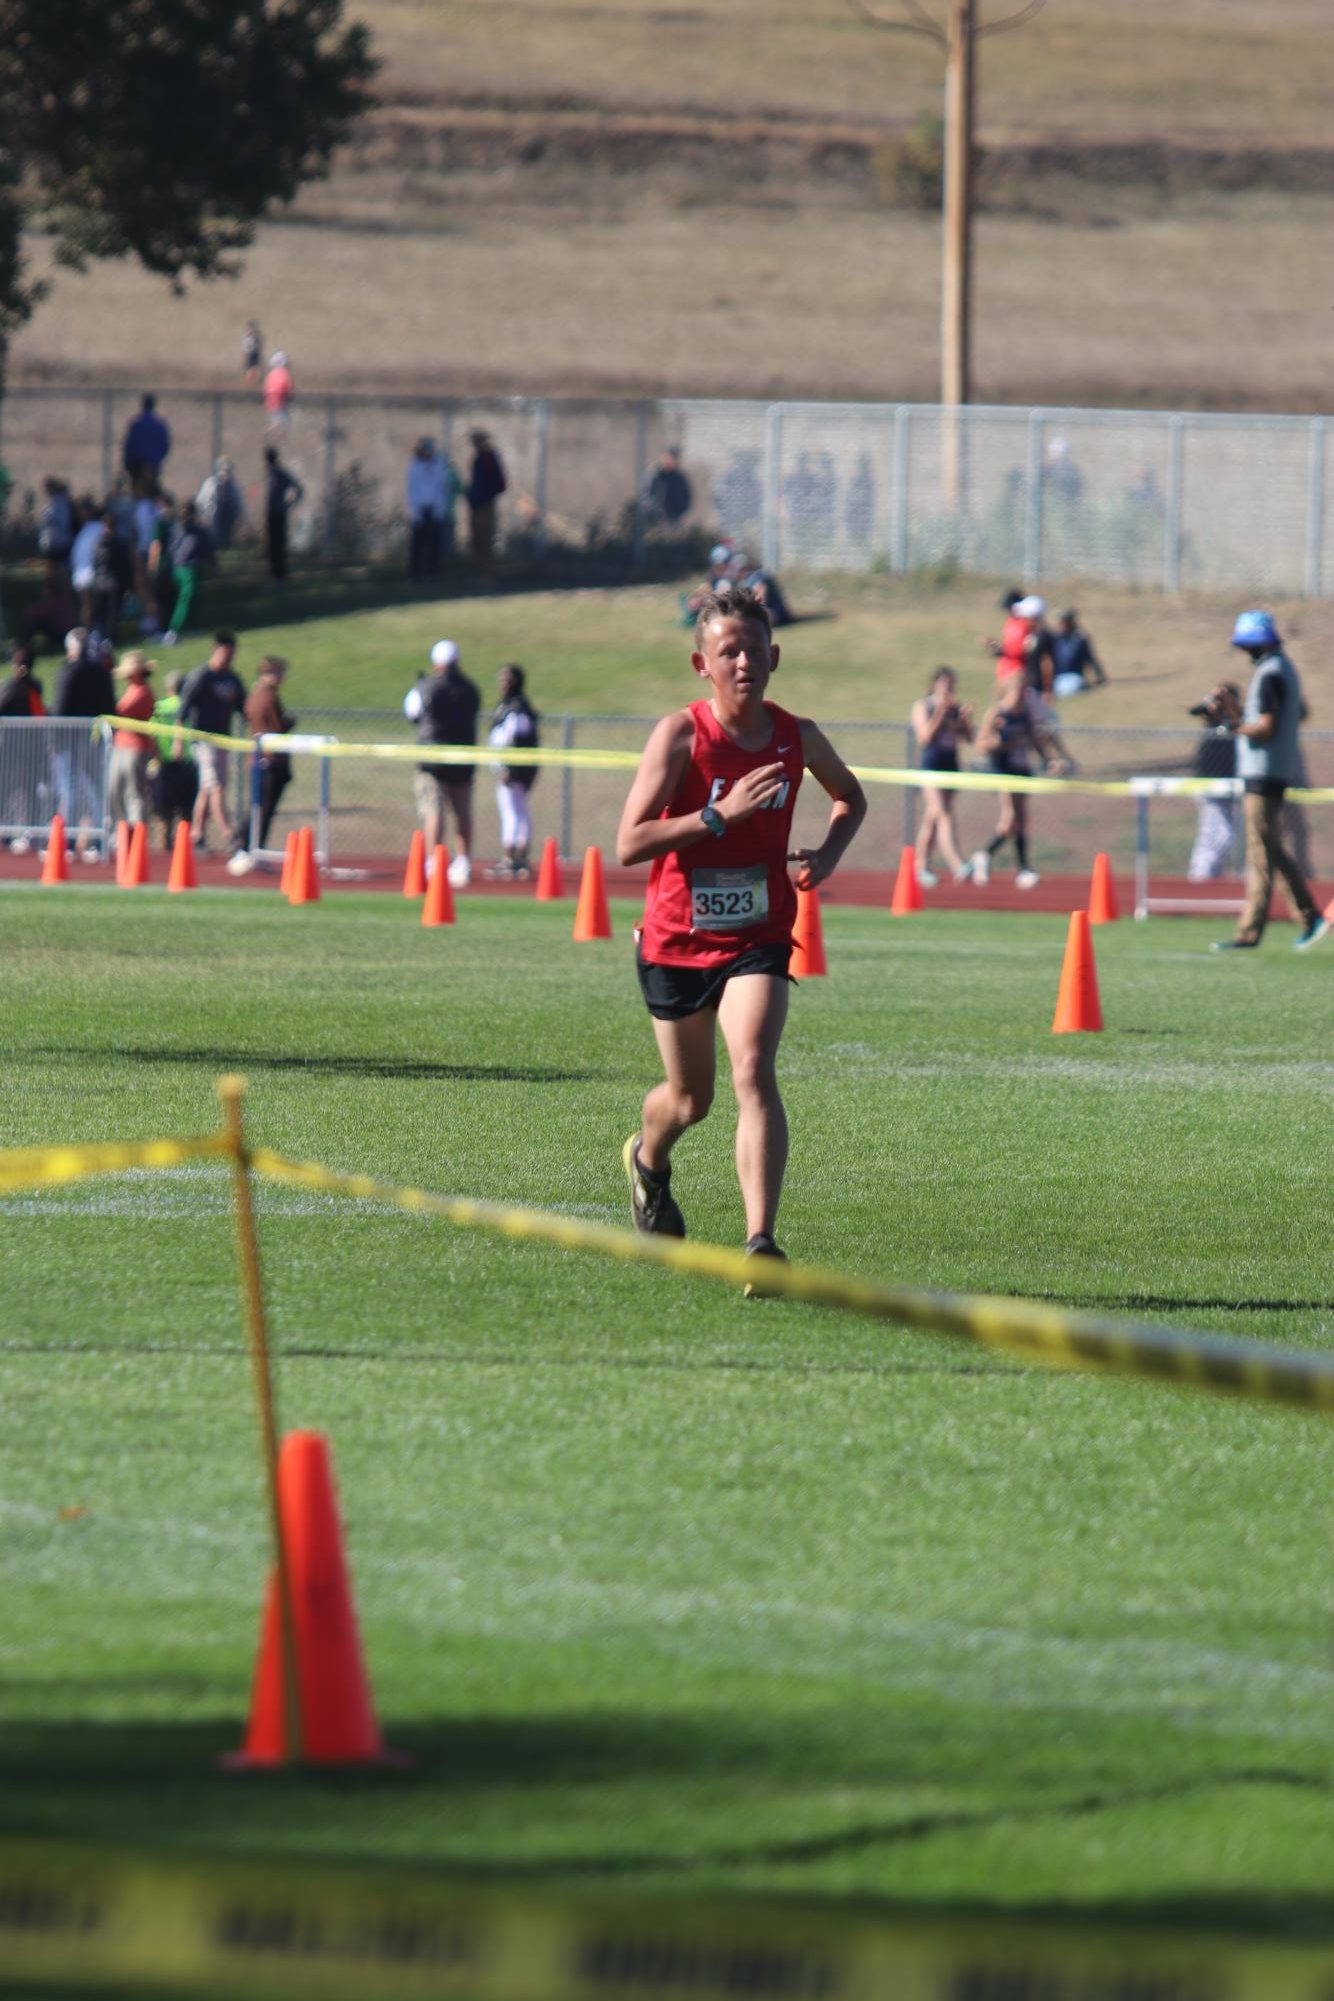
(722, 197)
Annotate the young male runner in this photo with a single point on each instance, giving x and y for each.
(711, 807)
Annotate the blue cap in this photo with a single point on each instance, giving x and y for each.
(1254, 628)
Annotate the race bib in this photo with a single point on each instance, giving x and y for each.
(727, 899)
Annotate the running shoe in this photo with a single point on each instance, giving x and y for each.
(964, 872)
(761, 1245)
(1027, 878)
(1312, 934)
(927, 878)
(1235, 944)
(459, 872)
(652, 1208)
(979, 868)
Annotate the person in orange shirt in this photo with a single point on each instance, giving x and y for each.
(132, 750)
(278, 389)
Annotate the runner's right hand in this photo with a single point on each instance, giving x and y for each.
(752, 793)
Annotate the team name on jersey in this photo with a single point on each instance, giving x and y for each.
(774, 805)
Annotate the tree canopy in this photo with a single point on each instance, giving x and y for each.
(164, 129)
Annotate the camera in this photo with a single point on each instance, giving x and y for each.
(1218, 709)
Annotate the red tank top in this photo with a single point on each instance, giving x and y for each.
(1012, 659)
(719, 896)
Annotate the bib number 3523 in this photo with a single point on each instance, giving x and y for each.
(728, 899)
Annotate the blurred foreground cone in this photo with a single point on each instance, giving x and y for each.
(1102, 893)
(182, 874)
(414, 876)
(304, 886)
(808, 959)
(550, 881)
(55, 867)
(1328, 912)
(439, 905)
(137, 873)
(1077, 1005)
(289, 863)
(592, 919)
(334, 1702)
(122, 851)
(907, 895)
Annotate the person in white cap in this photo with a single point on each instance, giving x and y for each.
(444, 706)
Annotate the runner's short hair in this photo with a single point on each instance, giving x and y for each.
(731, 601)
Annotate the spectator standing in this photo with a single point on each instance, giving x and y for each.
(283, 492)
(132, 751)
(486, 483)
(190, 550)
(940, 723)
(55, 531)
(21, 700)
(444, 706)
(221, 504)
(252, 348)
(84, 688)
(83, 555)
(147, 446)
(667, 497)
(278, 391)
(1075, 666)
(266, 716)
(146, 510)
(513, 727)
(113, 574)
(212, 697)
(1268, 762)
(161, 578)
(1013, 728)
(430, 504)
(1215, 757)
(176, 785)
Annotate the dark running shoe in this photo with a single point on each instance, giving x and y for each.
(654, 1212)
(762, 1246)
(1234, 945)
(1312, 933)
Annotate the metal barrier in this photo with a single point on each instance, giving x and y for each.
(1162, 500)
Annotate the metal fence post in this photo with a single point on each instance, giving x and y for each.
(641, 477)
(909, 794)
(1315, 507)
(771, 533)
(1033, 501)
(567, 790)
(330, 477)
(108, 439)
(902, 473)
(217, 431)
(326, 796)
(540, 476)
(1176, 444)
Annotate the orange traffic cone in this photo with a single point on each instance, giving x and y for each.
(907, 890)
(122, 851)
(304, 886)
(55, 866)
(137, 874)
(1102, 893)
(334, 1701)
(808, 959)
(182, 874)
(414, 876)
(1077, 1005)
(289, 863)
(592, 919)
(550, 881)
(1327, 913)
(439, 905)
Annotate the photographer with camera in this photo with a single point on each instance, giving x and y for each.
(1215, 757)
(1268, 761)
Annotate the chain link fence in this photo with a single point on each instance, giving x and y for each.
(1154, 499)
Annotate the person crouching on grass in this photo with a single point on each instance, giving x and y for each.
(711, 808)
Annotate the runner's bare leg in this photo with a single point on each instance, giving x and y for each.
(752, 1015)
(683, 1098)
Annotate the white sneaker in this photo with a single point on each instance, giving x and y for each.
(964, 873)
(460, 872)
(927, 878)
(1027, 878)
(21, 846)
(169, 637)
(979, 868)
(240, 863)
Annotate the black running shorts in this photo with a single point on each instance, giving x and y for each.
(673, 992)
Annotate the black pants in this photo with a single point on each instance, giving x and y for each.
(424, 558)
(277, 527)
(275, 778)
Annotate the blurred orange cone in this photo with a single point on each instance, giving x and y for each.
(122, 851)
(1077, 1006)
(289, 864)
(137, 874)
(808, 959)
(1102, 893)
(550, 881)
(182, 874)
(55, 865)
(907, 896)
(414, 877)
(304, 886)
(439, 905)
(592, 919)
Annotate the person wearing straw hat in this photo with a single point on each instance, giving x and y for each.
(131, 795)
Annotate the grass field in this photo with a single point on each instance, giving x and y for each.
(663, 1588)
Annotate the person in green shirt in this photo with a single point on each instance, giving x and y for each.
(176, 782)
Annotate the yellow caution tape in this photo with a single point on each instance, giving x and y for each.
(267, 1928)
(1028, 1332)
(45, 1166)
(628, 760)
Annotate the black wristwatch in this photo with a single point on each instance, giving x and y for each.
(714, 821)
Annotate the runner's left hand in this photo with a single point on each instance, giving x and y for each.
(812, 867)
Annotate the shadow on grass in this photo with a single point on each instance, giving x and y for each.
(390, 1067)
(1155, 1302)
